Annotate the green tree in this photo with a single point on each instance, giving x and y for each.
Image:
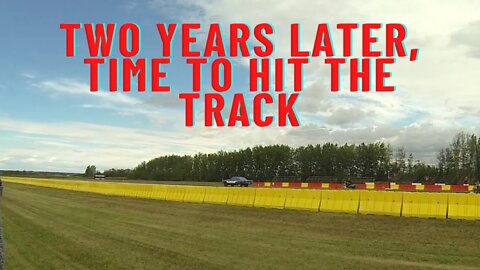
(90, 171)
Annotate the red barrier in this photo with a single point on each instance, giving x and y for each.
(432, 188)
(314, 185)
(276, 184)
(361, 186)
(407, 187)
(458, 188)
(295, 185)
(258, 184)
(336, 186)
(381, 186)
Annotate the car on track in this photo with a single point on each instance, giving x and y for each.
(237, 181)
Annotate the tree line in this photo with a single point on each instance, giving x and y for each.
(458, 162)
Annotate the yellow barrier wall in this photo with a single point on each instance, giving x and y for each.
(270, 197)
(303, 199)
(428, 205)
(98, 188)
(117, 189)
(216, 195)
(159, 192)
(380, 203)
(127, 190)
(344, 201)
(241, 196)
(419, 187)
(463, 206)
(175, 193)
(82, 186)
(144, 191)
(409, 204)
(194, 194)
(394, 186)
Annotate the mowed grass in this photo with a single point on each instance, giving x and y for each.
(56, 229)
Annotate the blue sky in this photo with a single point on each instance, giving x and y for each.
(37, 52)
(50, 121)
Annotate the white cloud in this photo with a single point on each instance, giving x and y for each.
(73, 145)
(28, 75)
(436, 96)
(124, 104)
(469, 37)
(73, 87)
(129, 5)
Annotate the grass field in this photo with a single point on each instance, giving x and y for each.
(57, 229)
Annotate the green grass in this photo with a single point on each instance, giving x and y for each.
(57, 229)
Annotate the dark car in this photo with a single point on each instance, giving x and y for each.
(476, 188)
(349, 184)
(237, 181)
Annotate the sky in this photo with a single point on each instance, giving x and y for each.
(50, 121)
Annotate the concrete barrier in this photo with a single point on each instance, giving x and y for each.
(381, 203)
(270, 198)
(241, 196)
(175, 193)
(426, 205)
(216, 195)
(408, 204)
(343, 201)
(194, 194)
(464, 206)
(303, 199)
(159, 192)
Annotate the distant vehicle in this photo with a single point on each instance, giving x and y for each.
(476, 189)
(237, 181)
(99, 176)
(349, 185)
